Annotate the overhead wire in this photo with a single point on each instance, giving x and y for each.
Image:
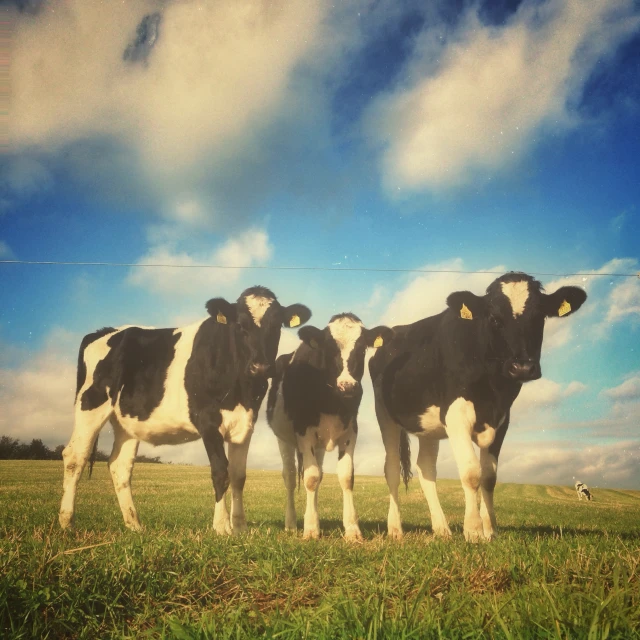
(152, 265)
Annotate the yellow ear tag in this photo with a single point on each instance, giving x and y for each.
(294, 322)
(220, 318)
(378, 342)
(565, 308)
(465, 314)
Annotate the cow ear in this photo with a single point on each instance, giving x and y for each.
(224, 312)
(466, 305)
(294, 315)
(564, 302)
(378, 336)
(311, 336)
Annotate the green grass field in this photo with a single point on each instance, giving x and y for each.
(560, 568)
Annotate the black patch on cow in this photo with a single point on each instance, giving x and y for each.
(86, 341)
(136, 368)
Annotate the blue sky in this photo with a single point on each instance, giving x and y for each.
(410, 136)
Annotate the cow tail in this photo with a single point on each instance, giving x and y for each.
(92, 459)
(300, 467)
(405, 458)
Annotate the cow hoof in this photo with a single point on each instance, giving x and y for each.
(474, 536)
(395, 534)
(444, 534)
(134, 526)
(353, 535)
(66, 520)
(239, 529)
(222, 528)
(490, 535)
(311, 534)
(291, 529)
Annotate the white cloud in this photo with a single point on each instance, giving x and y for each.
(628, 390)
(561, 462)
(544, 394)
(472, 101)
(37, 398)
(426, 294)
(178, 130)
(250, 248)
(216, 71)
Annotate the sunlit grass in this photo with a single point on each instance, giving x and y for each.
(560, 568)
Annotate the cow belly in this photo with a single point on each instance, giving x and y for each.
(237, 425)
(331, 430)
(160, 429)
(168, 423)
(280, 423)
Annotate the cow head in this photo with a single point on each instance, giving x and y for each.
(511, 317)
(343, 344)
(259, 318)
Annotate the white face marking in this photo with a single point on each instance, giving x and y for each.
(345, 332)
(258, 306)
(518, 293)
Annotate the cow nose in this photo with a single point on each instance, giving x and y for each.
(347, 389)
(259, 369)
(522, 370)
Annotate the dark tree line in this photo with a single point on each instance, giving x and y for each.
(14, 449)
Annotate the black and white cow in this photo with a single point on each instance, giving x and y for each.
(169, 386)
(313, 407)
(455, 375)
(583, 491)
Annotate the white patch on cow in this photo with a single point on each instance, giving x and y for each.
(237, 425)
(431, 425)
(169, 422)
(518, 293)
(345, 332)
(280, 423)
(258, 306)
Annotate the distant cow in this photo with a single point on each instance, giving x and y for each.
(313, 407)
(583, 491)
(169, 386)
(455, 375)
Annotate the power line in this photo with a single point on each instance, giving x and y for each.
(280, 268)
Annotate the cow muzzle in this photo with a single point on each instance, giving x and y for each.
(523, 370)
(260, 370)
(348, 389)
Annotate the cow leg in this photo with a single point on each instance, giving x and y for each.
(238, 474)
(460, 420)
(288, 455)
(312, 475)
(390, 431)
(346, 476)
(121, 462)
(214, 444)
(489, 467)
(427, 458)
(76, 453)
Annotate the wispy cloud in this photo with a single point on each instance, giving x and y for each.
(473, 100)
(250, 248)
